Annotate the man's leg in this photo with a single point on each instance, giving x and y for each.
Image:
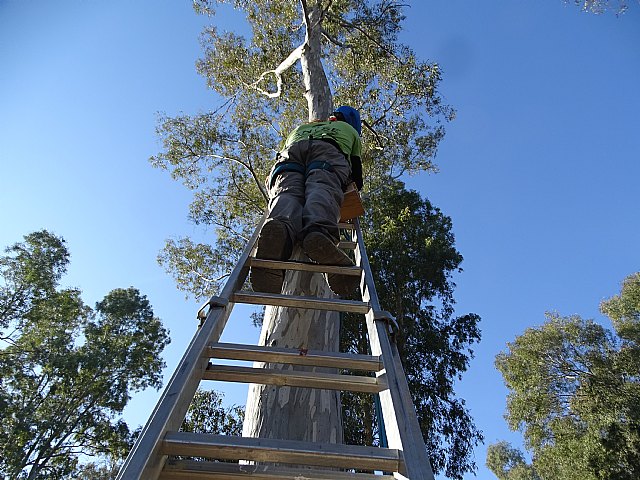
(279, 232)
(323, 198)
(286, 191)
(328, 172)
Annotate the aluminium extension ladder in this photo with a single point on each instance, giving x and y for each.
(405, 457)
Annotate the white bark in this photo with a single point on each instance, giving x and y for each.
(297, 413)
(287, 63)
(317, 91)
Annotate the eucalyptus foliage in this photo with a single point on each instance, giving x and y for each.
(207, 414)
(224, 155)
(508, 463)
(98, 471)
(412, 254)
(575, 392)
(601, 6)
(66, 370)
(296, 60)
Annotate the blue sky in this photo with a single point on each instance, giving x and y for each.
(539, 171)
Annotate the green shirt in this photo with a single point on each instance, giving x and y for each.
(341, 132)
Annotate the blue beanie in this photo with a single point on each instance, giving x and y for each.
(352, 117)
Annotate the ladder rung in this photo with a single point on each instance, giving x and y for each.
(304, 266)
(281, 451)
(347, 245)
(291, 378)
(314, 358)
(315, 303)
(346, 226)
(191, 469)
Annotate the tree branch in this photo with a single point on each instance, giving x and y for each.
(380, 144)
(389, 108)
(324, 11)
(307, 21)
(231, 230)
(287, 63)
(202, 277)
(259, 184)
(345, 23)
(241, 191)
(248, 165)
(333, 40)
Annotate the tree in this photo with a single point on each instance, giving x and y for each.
(412, 254)
(601, 6)
(508, 463)
(225, 155)
(67, 371)
(207, 414)
(98, 471)
(575, 391)
(301, 59)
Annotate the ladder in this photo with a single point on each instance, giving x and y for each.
(404, 458)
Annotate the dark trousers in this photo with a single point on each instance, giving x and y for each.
(310, 202)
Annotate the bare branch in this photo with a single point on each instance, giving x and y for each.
(305, 14)
(333, 39)
(263, 190)
(246, 164)
(211, 280)
(387, 109)
(227, 104)
(241, 192)
(345, 23)
(380, 144)
(287, 63)
(8, 339)
(230, 230)
(268, 122)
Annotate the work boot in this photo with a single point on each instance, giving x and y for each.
(321, 249)
(274, 243)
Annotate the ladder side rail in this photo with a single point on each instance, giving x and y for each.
(145, 461)
(405, 394)
(399, 414)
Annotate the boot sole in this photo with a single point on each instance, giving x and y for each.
(322, 250)
(271, 246)
(272, 241)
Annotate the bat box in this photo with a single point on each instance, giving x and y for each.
(351, 205)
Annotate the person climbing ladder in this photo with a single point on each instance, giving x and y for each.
(306, 188)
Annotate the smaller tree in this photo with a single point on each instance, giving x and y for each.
(601, 6)
(67, 371)
(508, 463)
(411, 248)
(575, 393)
(107, 470)
(207, 414)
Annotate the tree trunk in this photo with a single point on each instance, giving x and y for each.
(317, 91)
(297, 413)
(300, 413)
